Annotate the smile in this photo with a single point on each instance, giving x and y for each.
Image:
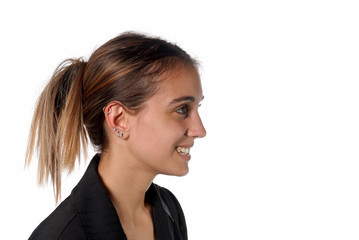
(183, 151)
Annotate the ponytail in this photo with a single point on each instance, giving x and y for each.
(57, 130)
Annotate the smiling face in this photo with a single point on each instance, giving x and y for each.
(163, 132)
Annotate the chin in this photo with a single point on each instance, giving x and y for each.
(182, 173)
(178, 172)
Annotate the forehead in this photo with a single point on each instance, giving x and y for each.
(179, 82)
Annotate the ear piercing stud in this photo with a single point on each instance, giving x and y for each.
(119, 133)
(109, 110)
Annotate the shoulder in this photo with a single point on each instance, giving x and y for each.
(63, 223)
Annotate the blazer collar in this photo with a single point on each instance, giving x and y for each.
(98, 215)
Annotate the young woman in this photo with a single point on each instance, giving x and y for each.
(137, 101)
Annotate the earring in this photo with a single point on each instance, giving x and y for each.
(119, 133)
(109, 110)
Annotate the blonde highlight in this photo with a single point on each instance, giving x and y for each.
(57, 131)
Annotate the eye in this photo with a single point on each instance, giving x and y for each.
(183, 110)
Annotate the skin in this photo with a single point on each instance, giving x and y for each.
(147, 148)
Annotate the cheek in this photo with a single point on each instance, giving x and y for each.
(159, 134)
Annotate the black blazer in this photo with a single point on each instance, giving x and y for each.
(88, 213)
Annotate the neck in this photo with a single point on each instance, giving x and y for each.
(126, 184)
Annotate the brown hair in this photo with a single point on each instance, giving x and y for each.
(70, 108)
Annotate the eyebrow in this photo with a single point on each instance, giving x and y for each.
(185, 98)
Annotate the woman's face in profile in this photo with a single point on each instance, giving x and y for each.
(164, 131)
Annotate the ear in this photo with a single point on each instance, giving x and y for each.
(116, 116)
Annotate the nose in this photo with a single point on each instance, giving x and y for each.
(196, 128)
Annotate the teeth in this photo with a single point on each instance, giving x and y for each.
(182, 150)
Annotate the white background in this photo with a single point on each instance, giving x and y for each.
(281, 108)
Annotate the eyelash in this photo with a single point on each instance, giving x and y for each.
(183, 110)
